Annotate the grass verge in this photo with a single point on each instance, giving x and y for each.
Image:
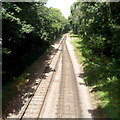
(75, 40)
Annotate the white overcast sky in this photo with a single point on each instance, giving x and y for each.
(63, 5)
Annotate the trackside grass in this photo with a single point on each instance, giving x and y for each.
(76, 42)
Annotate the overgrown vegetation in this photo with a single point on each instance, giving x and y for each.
(98, 26)
(28, 29)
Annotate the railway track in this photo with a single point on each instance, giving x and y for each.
(64, 100)
(34, 104)
(70, 106)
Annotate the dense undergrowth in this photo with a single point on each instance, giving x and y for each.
(98, 28)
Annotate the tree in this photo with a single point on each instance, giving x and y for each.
(28, 30)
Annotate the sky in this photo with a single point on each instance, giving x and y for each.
(63, 5)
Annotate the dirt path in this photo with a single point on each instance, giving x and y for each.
(60, 93)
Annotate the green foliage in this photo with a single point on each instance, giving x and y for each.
(98, 25)
(28, 30)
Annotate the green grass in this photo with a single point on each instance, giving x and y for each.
(75, 41)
